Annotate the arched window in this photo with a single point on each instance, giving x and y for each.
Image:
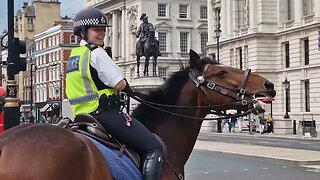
(73, 39)
(49, 45)
(57, 39)
(53, 41)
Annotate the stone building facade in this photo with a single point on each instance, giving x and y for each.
(277, 39)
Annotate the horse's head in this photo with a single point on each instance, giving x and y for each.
(227, 86)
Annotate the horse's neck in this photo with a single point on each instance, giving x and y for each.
(184, 133)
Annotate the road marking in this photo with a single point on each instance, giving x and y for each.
(226, 171)
(284, 166)
(246, 169)
(187, 174)
(206, 172)
(265, 168)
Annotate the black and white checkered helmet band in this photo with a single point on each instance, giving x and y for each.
(87, 22)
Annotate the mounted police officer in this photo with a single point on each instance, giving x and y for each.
(93, 83)
(142, 34)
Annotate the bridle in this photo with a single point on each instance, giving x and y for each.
(240, 93)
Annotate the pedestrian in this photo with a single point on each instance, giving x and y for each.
(261, 123)
(240, 121)
(233, 124)
(270, 124)
(93, 83)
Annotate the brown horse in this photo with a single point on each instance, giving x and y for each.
(45, 152)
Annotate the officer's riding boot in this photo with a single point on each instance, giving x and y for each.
(152, 166)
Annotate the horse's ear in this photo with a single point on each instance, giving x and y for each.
(194, 60)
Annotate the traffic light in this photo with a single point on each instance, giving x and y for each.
(20, 63)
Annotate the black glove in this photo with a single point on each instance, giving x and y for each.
(127, 89)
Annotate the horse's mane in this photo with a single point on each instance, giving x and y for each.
(165, 94)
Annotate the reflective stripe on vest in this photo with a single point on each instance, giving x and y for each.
(80, 87)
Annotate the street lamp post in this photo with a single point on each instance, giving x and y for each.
(286, 85)
(218, 34)
(31, 91)
(61, 93)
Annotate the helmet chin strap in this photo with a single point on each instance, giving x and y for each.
(84, 33)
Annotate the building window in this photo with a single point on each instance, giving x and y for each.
(241, 14)
(183, 42)
(162, 72)
(73, 39)
(306, 51)
(203, 40)
(308, 7)
(240, 60)
(162, 10)
(231, 57)
(245, 57)
(203, 12)
(162, 41)
(183, 11)
(307, 95)
(53, 41)
(58, 39)
(287, 54)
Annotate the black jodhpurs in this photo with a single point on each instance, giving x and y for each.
(136, 136)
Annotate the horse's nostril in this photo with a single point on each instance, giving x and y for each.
(269, 85)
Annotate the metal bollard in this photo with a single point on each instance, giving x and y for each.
(219, 126)
(294, 127)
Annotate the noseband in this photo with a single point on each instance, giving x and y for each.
(240, 94)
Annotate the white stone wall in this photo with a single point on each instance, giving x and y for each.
(269, 28)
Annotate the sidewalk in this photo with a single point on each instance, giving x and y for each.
(289, 156)
(265, 135)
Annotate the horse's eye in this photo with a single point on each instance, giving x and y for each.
(222, 73)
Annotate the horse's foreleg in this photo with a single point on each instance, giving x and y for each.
(154, 66)
(138, 65)
(146, 65)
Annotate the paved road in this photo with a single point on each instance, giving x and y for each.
(262, 141)
(206, 165)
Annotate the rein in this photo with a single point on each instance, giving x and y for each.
(154, 106)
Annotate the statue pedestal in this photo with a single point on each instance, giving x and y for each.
(144, 85)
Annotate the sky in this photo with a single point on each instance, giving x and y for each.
(68, 7)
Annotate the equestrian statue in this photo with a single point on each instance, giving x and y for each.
(147, 45)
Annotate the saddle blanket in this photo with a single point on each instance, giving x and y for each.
(122, 168)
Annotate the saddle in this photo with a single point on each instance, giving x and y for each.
(87, 125)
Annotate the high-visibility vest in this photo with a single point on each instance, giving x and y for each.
(80, 87)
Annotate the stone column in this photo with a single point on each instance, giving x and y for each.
(229, 18)
(169, 42)
(210, 22)
(224, 22)
(123, 32)
(106, 38)
(115, 34)
(317, 10)
(298, 11)
(253, 15)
